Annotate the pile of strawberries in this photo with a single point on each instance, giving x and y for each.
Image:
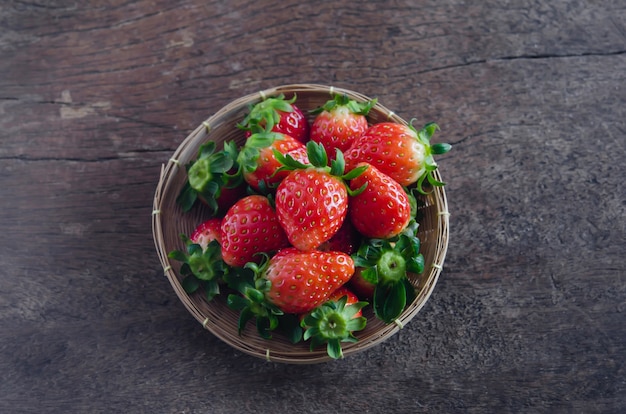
(309, 223)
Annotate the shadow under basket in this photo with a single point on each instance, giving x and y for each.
(169, 222)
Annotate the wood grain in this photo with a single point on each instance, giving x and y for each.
(529, 313)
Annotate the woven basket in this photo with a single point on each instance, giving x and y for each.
(169, 221)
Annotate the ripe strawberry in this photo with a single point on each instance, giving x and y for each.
(280, 288)
(300, 281)
(206, 232)
(400, 151)
(278, 115)
(382, 210)
(257, 160)
(312, 201)
(346, 240)
(362, 287)
(209, 179)
(202, 264)
(334, 322)
(250, 227)
(339, 122)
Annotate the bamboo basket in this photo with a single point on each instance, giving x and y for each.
(169, 221)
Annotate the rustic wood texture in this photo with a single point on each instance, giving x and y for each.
(529, 314)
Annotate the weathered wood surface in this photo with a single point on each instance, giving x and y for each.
(529, 314)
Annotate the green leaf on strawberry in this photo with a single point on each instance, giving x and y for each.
(257, 162)
(358, 108)
(277, 114)
(207, 175)
(250, 300)
(332, 323)
(318, 159)
(267, 112)
(385, 264)
(201, 268)
(424, 135)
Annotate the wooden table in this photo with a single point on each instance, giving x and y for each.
(529, 314)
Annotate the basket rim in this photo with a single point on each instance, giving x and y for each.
(173, 166)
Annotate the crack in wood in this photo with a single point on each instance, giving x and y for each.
(121, 156)
(524, 57)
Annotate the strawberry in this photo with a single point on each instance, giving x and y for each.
(384, 264)
(334, 322)
(312, 201)
(209, 179)
(400, 151)
(290, 283)
(206, 232)
(339, 122)
(248, 228)
(202, 264)
(299, 281)
(346, 239)
(258, 164)
(278, 115)
(363, 288)
(382, 210)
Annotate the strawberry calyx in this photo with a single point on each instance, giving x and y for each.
(207, 175)
(342, 100)
(318, 159)
(249, 153)
(250, 300)
(266, 114)
(251, 303)
(385, 264)
(201, 268)
(423, 136)
(332, 323)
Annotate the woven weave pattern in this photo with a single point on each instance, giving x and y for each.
(169, 221)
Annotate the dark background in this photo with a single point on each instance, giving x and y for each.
(529, 314)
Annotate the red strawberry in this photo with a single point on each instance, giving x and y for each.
(311, 207)
(346, 239)
(278, 115)
(228, 196)
(339, 122)
(258, 162)
(312, 201)
(362, 287)
(382, 210)
(206, 232)
(248, 228)
(400, 151)
(300, 281)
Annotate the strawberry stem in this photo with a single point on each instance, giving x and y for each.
(318, 158)
(201, 268)
(358, 108)
(206, 176)
(423, 136)
(250, 300)
(265, 114)
(332, 323)
(385, 264)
